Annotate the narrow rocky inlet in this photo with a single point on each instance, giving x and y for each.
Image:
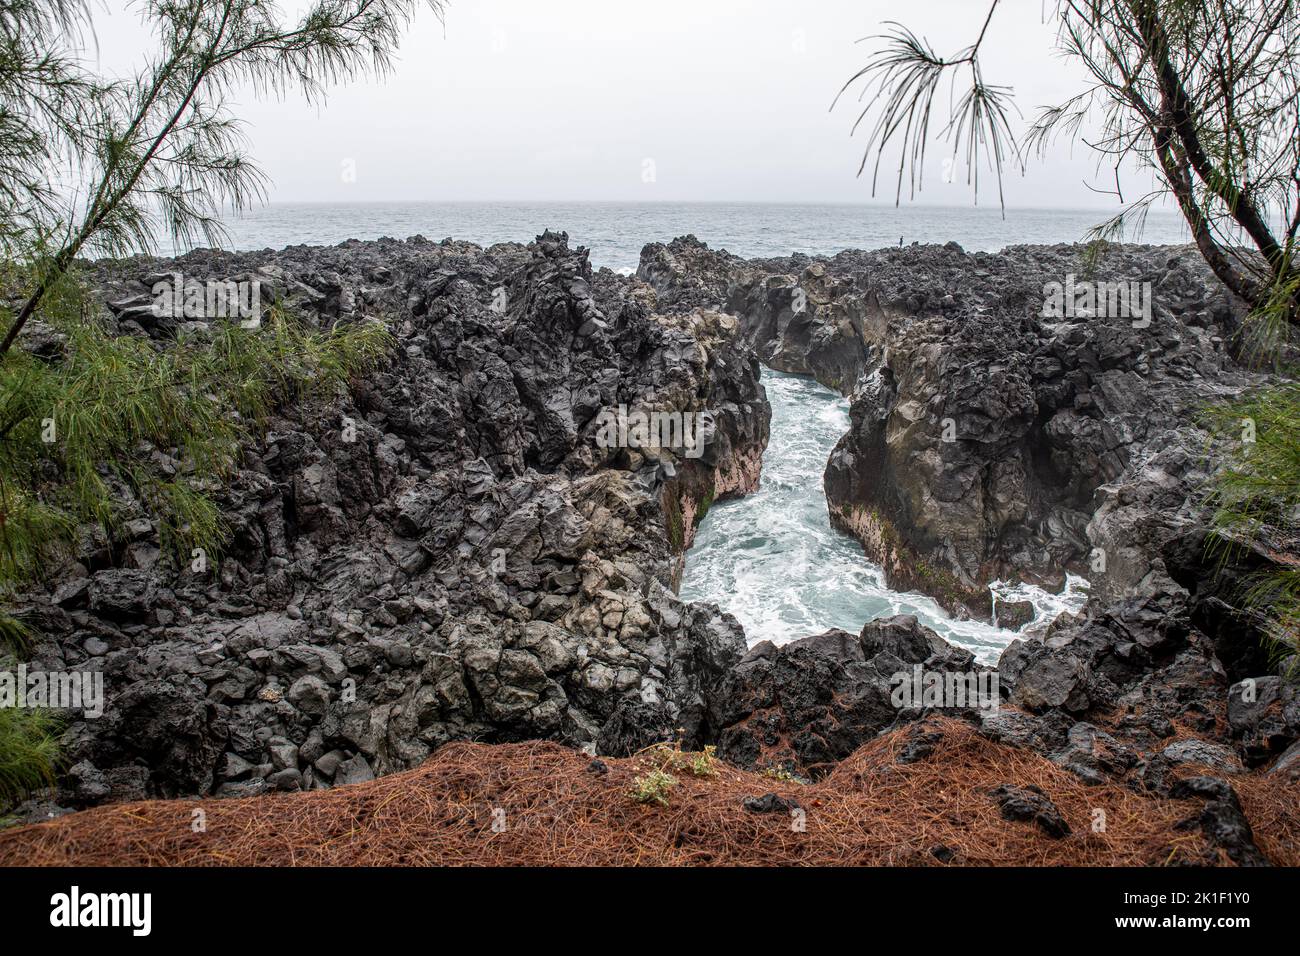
(900, 447)
(774, 561)
(515, 436)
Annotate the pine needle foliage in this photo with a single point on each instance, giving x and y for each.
(1256, 497)
(77, 428)
(102, 425)
(100, 165)
(1199, 96)
(29, 751)
(157, 153)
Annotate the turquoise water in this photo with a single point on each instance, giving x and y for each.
(773, 560)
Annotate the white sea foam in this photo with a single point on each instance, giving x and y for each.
(773, 560)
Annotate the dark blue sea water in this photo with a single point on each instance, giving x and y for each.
(615, 232)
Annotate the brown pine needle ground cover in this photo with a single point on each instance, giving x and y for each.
(552, 808)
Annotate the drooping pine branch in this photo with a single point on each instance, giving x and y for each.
(162, 150)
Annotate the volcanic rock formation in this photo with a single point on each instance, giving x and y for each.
(448, 553)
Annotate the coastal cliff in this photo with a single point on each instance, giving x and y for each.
(447, 554)
(453, 553)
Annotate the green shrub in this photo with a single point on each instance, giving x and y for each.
(1256, 496)
(29, 749)
(781, 774)
(701, 763)
(108, 402)
(653, 787)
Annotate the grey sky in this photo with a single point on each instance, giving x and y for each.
(520, 100)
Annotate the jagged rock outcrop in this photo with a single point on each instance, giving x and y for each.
(992, 442)
(800, 316)
(1134, 691)
(998, 434)
(448, 553)
(451, 553)
(805, 705)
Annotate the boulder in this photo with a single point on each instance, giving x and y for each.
(805, 705)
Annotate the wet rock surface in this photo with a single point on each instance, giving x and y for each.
(991, 441)
(800, 315)
(1221, 819)
(1029, 804)
(998, 431)
(771, 803)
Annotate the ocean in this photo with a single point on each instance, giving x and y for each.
(616, 232)
(772, 559)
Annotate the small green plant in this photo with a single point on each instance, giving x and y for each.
(705, 504)
(703, 763)
(653, 787)
(781, 774)
(29, 750)
(670, 756)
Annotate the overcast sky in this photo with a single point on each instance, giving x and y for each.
(575, 99)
